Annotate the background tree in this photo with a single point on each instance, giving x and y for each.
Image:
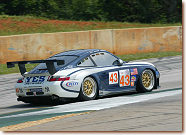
(144, 11)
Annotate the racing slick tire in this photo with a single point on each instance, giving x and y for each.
(146, 81)
(89, 89)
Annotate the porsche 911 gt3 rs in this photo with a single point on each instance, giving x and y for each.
(85, 74)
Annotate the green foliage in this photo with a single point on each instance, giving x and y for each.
(144, 11)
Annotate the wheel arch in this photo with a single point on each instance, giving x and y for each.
(95, 79)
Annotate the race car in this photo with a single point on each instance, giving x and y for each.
(84, 74)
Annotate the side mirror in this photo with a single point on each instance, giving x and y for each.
(118, 62)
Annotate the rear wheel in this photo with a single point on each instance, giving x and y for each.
(146, 81)
(88, 89)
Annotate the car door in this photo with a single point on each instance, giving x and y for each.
(109, 73)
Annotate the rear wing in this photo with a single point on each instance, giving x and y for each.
(49, 63)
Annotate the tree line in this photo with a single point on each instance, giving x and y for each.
(143, 11)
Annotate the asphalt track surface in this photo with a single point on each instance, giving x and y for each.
(160, 110)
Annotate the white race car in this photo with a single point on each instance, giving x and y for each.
(85, 74)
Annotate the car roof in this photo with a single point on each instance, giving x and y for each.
(79, 52)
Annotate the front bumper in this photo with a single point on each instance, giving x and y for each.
(157, 84)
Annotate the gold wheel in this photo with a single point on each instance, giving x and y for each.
(89, 88)
(148, 79)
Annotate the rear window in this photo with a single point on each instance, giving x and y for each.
(42, 68)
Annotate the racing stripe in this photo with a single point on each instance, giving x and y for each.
(76, 71)
(108, 68)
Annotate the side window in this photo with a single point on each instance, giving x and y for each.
(85, 62)
(103, 59)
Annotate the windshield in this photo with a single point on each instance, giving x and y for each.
(42, 68)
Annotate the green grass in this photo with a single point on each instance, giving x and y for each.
(14, 25)
(20, 18)
(5, 70)
(131, 57)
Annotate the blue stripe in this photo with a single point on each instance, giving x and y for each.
(115, 68)
(76, 71)
(117, 90)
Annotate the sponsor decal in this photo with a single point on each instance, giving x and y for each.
(35, 80)
(124, 77)
(133, 78)
(47, 89)
(70, 84)
(132, 83)
(134, 71)
(20, 90)
(17, 90)
(113, 77)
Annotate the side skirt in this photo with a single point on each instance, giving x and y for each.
(103, 93)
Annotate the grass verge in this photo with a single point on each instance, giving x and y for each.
(5, 70)
(131, 57)
(14, 25)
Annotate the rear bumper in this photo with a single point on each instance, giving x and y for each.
(47, 89)
(44, 99)
(38, 99)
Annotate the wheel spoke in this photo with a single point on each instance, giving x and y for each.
(88, 87)
(147, 78)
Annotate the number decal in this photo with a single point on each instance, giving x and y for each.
(127, 78)
(116, 77)
(122, 81)
(124, 77)
(113, 77)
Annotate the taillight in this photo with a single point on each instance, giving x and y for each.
(20, 80)
(58, 78)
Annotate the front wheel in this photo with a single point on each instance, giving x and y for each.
(146, 81)
(88, 89)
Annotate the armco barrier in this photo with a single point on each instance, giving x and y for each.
(117, 41)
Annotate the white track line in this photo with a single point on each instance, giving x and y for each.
(99, 104)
